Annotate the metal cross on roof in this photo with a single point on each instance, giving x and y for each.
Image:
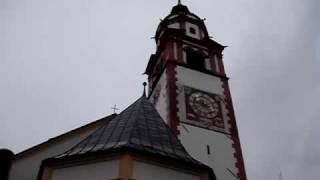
(114, 109)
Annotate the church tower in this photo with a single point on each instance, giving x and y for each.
(189, 88)
(184, 130)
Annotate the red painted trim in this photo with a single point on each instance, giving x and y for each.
(234, 132)
(173, 95)
(221, 68)
(212, 63)
(169, 51)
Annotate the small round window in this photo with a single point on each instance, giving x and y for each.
(192, 30)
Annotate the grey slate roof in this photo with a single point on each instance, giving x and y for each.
(139, 128)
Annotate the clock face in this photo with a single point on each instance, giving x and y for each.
(203, 109)
(203, 105)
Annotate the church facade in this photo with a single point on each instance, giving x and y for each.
(185, 127)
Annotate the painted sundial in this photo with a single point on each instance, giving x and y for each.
(203, 109)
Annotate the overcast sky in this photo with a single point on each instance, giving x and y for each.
(64, 63)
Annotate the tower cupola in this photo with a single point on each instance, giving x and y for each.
(182, 38)
(182, 19)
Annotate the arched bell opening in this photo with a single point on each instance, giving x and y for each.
(195, 59)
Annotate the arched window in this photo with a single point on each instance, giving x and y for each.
(195, 59)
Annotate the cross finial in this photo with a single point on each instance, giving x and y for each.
(114, 109)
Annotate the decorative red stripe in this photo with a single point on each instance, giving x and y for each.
(169, 51)
(212, 63)
(234, 132)
(221, 68)
(172, 94)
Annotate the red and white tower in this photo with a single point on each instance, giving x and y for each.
(189, 88)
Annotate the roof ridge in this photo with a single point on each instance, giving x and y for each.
(135, 120)
(117, 122)
(148, 127)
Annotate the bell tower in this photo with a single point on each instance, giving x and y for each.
(189, 88)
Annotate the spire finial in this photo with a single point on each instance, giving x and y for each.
(144, 89)
(114, 109)
(179, 2)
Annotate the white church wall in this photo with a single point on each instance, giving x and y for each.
(172, 16)
(95, 171)
(144, 171)
(27, 167)
(160, 98)
(216, 63)
(199, 80)
(196, 139)
(174, 26)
